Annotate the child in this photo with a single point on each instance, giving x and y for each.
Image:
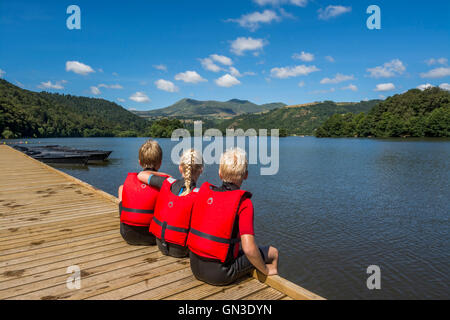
(173, 208)
(221, 218)
(137, 200)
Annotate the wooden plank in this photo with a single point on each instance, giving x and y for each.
(238, 291)
(50, 220)
(52, 253)
(288, 288)
(164, 283)
(70, 178)
(167, 287)
(39, 240)
(57, 286)
(44, 247)
(16, 233)
(123, 256)
(199, 292)
(123, 286)
(63, 264)
(266, 294)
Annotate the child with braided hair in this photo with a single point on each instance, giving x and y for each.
(171, 221)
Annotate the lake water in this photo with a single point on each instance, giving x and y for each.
(336, 207)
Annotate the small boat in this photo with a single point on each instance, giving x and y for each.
(94, 155)
(61, 158)
(54, 154)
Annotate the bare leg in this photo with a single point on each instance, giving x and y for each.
(273, 256)
(119, 193)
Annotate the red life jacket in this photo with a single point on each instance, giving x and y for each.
(138, 202)
(172, 214)
(214, 232)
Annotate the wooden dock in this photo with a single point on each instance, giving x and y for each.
(50, 221)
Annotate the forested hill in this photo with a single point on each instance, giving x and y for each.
(298, 119)
(26, 113)
(415, 113)
(190, 108)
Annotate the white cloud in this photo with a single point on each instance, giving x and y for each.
(300, 3)
(115, 74)
(139, 97)
(304, 56)
(235, 72)
(111, 86)
(337, 79)
(222, 59)
(301, 84)
(445, 86)
(208, 64)
(189, 77)
(227, 81)
(2, 73)
(276, 3)
(161, 67)
(120, 100)
(387, 70)
(351, 87)
(436, 73)
(242, 44)
(425, 86)
(49, 85)
(165, 85)
(323, 91)
(95, 90)
(329, 59)
(287, 72)
(78, 67)
(253, 20)
(332, 11)
(433, 61)
(384, 87)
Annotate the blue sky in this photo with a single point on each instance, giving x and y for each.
(150, 54)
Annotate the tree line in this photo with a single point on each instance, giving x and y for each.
(415, 113)
(28, 114)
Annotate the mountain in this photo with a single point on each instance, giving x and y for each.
(25, 113)
(414, 113)
(297, 119)
(190, 108)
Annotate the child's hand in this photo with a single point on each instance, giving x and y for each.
(271, 270)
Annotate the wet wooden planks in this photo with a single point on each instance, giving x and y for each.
(50, 221)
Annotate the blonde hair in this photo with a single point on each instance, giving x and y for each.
(150, 154)
(191, 163)
(233, 165)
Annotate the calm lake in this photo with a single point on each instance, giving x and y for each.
(335, 207)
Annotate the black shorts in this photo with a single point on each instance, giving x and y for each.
(173, 250)
(134, 235)
(220, 274)
(137, 236)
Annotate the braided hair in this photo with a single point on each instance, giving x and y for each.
(192, 166)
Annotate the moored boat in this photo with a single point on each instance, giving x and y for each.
(54, 154)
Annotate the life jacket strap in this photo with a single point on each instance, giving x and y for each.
(143, 211)
(214, 238)
(164, 249)
(169, 227)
